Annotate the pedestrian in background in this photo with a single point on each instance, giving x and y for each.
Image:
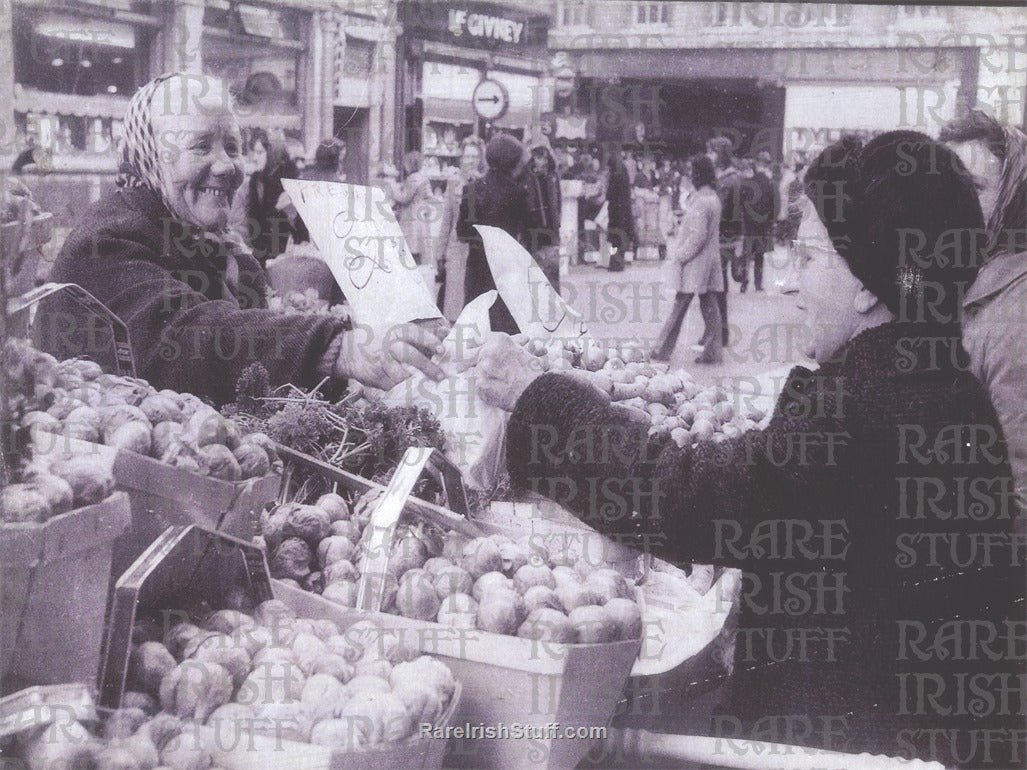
(267, 225)
(620, 218)
(542, 187)
(759, 212)
(412, 201)
(694, 250)
(993, 306)
(499, 201)
(452, 251)
(729, 185)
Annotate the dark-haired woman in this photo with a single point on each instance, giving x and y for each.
(269, 227)
(995, 307)
(854, 513)
(695, 249)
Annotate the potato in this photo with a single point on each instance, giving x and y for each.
(425, 669)
(131, 436)
(347, 529)
(422, 703)
(124, 721)
(574, 595)
(253, 462)
(220, 462)
(178, 636)
(41, 422)
(185, 456)
(23, 503)
(334, 665)
(272, 682)
(384, 712)
(409, 552)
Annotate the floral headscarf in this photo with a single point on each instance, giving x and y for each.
(140, 158)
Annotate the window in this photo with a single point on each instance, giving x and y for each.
(357, 57)
(64, 54)
(573, 13)
(652, 13)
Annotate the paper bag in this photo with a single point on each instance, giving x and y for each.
(540, 312)
(357, 233)
(475, 431)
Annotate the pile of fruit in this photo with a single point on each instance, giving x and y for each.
(53, 484)
(671, 401)
(490, 583)
(75, 399)
(270, 674)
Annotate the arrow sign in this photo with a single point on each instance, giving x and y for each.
(490, 99)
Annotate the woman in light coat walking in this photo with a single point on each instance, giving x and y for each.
(695, 249)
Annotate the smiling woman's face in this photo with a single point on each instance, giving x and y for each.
(200, 159)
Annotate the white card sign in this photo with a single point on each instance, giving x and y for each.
(359, 237)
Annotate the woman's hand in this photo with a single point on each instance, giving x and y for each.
(505, 369)
(384, 360)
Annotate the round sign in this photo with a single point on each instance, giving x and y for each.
(490, 99)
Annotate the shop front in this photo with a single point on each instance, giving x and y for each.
(447, 50)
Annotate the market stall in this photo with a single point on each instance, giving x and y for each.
(304, 581)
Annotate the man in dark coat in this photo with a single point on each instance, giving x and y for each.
(542, 187)
(499, 201)
(759, 212)
(860, 514)
(621, 224)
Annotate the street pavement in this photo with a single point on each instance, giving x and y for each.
(765, 326)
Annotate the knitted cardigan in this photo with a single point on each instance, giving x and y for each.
(831, 512)
(196, 318)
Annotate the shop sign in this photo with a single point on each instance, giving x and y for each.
(479, 25)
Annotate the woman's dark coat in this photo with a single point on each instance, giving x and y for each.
(196, 317)
(832, 512)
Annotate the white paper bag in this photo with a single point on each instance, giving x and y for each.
(540, 312)
(357, 233)
(475, 431)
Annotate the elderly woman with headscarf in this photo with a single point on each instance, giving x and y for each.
(854, 513)
(157, 252)
(995, 307)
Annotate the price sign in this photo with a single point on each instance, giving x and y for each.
(490, 99)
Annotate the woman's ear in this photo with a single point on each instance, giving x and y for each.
(865, 300)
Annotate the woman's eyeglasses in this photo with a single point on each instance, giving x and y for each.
(801, 251)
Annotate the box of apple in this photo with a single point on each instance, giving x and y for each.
(494, 583)
(671, 402)
(232, 685)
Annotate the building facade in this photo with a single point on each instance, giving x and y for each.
(786, 77)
